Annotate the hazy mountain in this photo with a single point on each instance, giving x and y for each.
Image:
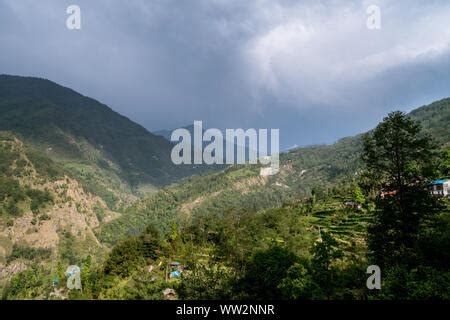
(163, 133)
(168, 133)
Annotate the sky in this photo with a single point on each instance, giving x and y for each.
(311, 68)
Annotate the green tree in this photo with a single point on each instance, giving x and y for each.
(316, 279)
(445, 163)
(265, 271)
(401, 159)
(151, 244)
(87, 277)
(358, 195)
(125, 258)
(206, 281)
(324, 273)
(298, 283)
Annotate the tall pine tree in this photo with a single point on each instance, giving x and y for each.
(401, 161)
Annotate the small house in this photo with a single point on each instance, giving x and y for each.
(440, 188)
(387, 193)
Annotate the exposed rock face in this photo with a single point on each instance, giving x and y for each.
(72, 211)
(11, 269)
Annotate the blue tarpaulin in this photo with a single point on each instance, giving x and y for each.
(175, 274)
(439, 181)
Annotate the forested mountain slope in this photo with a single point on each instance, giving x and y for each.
(303, 170)
(105, 150)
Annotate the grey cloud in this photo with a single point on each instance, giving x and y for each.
(304, 67)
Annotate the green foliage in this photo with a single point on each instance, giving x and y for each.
(10, 188)
(445, 163)
(66, 249)
(44, 165)
(131, 254)
(321, 277)
(358, 195)
(88, 277)
(38, 199)
(298, 283)
(265, 271)
(29, 253)
(399, 157)
(32, 283)
(397, 153)
(99, 213)
(205, 282)
(435, 119)
(324, 253)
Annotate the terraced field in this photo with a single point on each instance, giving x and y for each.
(348, 226)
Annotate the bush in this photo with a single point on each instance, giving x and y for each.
(28, 253)
(38, 199)
(265, 271)
(125, 258)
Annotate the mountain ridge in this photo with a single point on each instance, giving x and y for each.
(94, 142)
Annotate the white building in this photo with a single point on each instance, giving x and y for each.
(440, 188)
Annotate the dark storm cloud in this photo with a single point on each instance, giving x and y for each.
(310, 68)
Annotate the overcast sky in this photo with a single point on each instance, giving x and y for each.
(311, 68)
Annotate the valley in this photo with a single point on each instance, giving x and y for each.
(83, 185)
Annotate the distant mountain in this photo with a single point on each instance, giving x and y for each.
(99, 146)
(163, 133)
(167, 134)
